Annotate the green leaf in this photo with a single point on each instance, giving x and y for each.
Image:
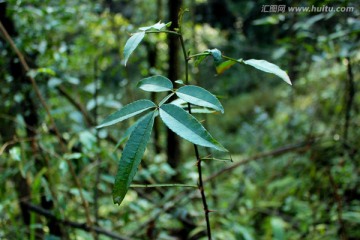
(155, 84)
(128, 132)
(131, 157)
(222, 67)
(266, 66)
(277, 225)
(181, 82)
(157, 26)
(216, 55)
(194, 109)
(131, 44)
(199, 59)
(127, 111)
(187, 127)
(166, 98)
(199, 96)
(48, 71)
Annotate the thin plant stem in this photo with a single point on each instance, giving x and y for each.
(197, 155)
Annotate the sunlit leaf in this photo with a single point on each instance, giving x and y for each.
(181, 82)
(131, 44)
(155, 84)
(131, 157)
(127, 111)
(266, 66)
(156, 26)
(187, 127)
(199, 96)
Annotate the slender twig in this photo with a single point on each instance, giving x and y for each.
(97, 160)
(279, 151)
(88, 118)
(233, 59)
(162, 185)
(83, 226)
(164, 31)
(52, 121)
(349, 99)
(198, 55)
(197, 155)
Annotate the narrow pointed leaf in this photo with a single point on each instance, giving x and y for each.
(187, 127)
(199, 96)
(222, 67)
(181, 82)
(155, 84)
(131, 157)
(128, 132)
(127, 111)
(165, 99)
(157, 26)
(266, 66)
(131, 44)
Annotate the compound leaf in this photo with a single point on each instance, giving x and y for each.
(131, 156)
(127, 111)
(266, 66)
(155, 84)
(131, 44)
(187, 127)
(199, 96)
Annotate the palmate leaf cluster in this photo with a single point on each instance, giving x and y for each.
(176, 118)
(173, 116)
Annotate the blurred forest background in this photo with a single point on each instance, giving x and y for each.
(295, 150)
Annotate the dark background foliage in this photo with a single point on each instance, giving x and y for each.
(295, 169)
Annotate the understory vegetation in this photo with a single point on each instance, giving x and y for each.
(285, 162)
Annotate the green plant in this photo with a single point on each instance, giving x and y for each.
(173, 114)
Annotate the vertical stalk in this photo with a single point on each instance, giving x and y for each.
(97, 161)
(198, 159)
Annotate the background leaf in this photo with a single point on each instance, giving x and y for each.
(187, 127)
(199, 96)
(155, 84)
(222, 67)
(131, 157)
(127, 111)
(266, 66)
(131, 44)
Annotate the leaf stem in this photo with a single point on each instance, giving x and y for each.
(233, 59)
(164, 31)
(198, 55)
(197, 155)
